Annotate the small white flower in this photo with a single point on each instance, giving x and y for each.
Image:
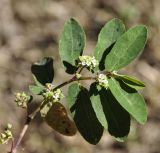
(83, 63)
(88, 61)
(103, 81)
(54, 96)
(57, 95)
(94, 62)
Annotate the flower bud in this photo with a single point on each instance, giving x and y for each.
(6, 135)
(22, 99)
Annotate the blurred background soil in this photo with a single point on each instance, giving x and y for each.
(30, 30)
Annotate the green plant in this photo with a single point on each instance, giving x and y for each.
(111, 99)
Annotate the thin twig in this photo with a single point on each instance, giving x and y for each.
(80, 70)
(25, 127)
(14, 149)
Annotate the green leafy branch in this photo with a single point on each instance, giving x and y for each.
(111, 99)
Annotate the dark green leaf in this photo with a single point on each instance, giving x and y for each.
(30, 99)
(43, 71)
(133, 83)
(129, 99)
(36, 89)
(84, 115)
(71, 45)
(117, 117)
(127, 48)
(108, 110)
(108, 35)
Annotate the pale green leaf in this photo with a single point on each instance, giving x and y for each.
(36, 89)
(108, 35)
(97, 106)
(127, 48)
(71, 45)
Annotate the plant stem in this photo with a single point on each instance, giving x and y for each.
(72, 80)
(80, 70)
(32, 116)
(14, 149)
(24, 129)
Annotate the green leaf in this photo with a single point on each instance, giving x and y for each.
(129, 99)
(36, 89)
(97, 106)
(108, 110)
(43, 71)
(71, 45)
(132, 82)
(108, 35)
(73, 91)
(127, 48)
(84, 115)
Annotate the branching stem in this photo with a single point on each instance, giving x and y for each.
(32, 116)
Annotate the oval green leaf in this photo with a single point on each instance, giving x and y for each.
(108, 35)
(43, 71)
(71, 45)
(129, 99)
(132, 82)
(84, 115)
(127, 48)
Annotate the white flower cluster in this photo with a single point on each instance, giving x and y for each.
(88, 61)
(51, 95)
(102, 79)
(57, 95)
(22, 99)
(6, 135)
